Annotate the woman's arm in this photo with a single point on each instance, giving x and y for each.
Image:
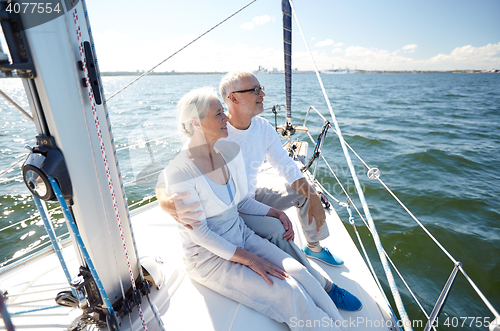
(201, 234)
(173, 205)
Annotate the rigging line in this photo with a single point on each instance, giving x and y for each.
(153, 68)
(25, 113)
(485, 300)
(397, 297)
(23, 158)
(406, 209)
(396, 269)
(361, 243)
(397, 199)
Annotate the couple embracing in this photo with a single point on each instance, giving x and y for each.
(236, 238)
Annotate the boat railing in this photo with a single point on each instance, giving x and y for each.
(374, 174)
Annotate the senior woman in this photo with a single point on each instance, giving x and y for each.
(221, 252)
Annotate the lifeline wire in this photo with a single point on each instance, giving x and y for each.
(378, 244)
(147, 72)
(25, 113)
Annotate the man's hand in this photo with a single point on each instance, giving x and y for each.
(316, 211)
(173, 205)
(289, 234)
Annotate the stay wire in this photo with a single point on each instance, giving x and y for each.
(153, 68)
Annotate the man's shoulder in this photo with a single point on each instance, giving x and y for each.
(259, 120)
(261, 124)
(228, 149)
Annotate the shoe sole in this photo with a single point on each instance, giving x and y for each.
(316, 258)
(351, 310)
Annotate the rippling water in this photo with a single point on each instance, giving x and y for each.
(435, 138)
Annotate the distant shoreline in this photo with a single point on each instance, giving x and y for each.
(170, 73)
(176, 73)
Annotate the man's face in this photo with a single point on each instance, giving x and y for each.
(249, 102)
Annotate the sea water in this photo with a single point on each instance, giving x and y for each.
(434, 137)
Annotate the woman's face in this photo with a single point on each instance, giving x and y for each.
(214, 124)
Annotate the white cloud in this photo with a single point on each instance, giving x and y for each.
(470, 55)
(210, 55)
(247, 26)
(410, 48)
(257, 20)
(261, 20)
(327, 42)
(312, 39)
(339, 44)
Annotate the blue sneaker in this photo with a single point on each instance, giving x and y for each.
(344, 300)
(324, 256)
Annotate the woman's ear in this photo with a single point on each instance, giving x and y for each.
(196, 123)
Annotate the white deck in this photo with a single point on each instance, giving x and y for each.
(183, 304)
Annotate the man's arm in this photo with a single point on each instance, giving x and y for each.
(316, 209)
(183, 213)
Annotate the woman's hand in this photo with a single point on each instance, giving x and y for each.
(263, 267)
(259, 265)
(287, 224)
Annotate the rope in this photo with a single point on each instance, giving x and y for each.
(34, 310)
(153, 68)
(81, 245)
(376, 238)
(42, 209)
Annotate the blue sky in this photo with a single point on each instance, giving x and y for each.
(384, 35)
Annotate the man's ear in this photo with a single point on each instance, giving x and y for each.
(232, 98)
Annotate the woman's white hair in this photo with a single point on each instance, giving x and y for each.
(194, 104)
(228, 82)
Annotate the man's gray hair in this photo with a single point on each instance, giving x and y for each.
(228, 82)
(194, 104)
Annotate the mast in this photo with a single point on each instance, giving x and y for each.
(55, 57)
(287, 49)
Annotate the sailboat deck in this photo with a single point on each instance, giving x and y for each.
(181, 302)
